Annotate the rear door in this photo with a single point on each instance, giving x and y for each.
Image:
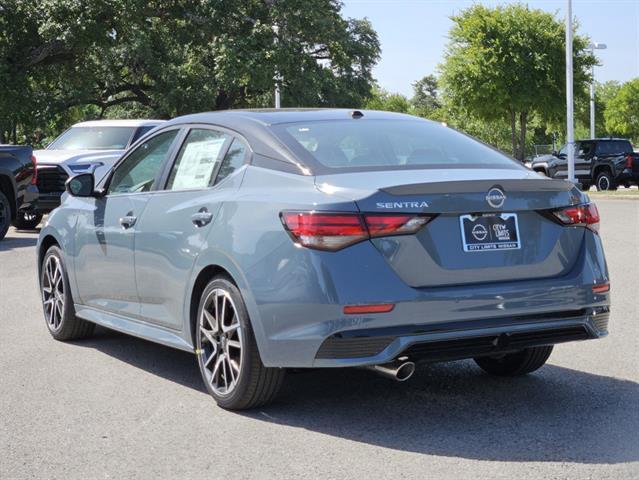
(178, 218)
(106, 230)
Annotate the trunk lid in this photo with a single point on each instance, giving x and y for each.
(458, 199)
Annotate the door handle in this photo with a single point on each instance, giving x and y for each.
(202, 217)
(128, 220)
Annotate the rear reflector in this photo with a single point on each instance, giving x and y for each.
(361, 309)
(585, 215)
(334, 231)
(603, 288)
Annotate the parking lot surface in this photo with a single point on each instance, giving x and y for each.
(118, 407)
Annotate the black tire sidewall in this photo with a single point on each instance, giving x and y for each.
(6, 206)
(250, 355)
(68, 315)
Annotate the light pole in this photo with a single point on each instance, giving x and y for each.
(593, 46)
(278, 78)
(570, 132)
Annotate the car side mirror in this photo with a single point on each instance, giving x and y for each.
(82, 185)
(555, 153)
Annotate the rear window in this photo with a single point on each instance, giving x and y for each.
(388, 144)
(93, 138)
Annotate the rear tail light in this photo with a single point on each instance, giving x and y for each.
(34, 179)
(334, 231)
(585, 215)
(629, 161)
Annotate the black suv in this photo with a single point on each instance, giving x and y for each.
(603, 162)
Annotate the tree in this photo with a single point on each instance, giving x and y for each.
(425, 96)
(380, 99)
(622, 111)
(171, 57)
(509, 63)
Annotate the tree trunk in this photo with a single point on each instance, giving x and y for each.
(522, 135)
(513, 132)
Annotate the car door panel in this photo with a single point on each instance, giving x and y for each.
(105, 233)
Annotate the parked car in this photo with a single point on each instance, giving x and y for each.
(17, 188)
(603, 162)
(94, 145)
(267, 240)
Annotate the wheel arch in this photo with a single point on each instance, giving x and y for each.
(600, 168)
(45, 244)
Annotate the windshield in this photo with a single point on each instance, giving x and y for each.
(388, 144)
(93, 138)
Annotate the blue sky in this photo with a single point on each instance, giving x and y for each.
(413, 34)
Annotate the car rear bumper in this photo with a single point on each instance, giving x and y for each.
(458, 340)
(29, 199)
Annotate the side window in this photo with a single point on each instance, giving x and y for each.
(196, 162)
(141, 131)
(137, 173)
(233, 159)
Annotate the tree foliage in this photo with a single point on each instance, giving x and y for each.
(508, 63)
(170, 57)
(622, 111)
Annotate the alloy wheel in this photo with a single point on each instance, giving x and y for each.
(604, 183)
(4, 214)
(53, 292)
(220, 342)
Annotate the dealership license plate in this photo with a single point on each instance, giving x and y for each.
(490, 232)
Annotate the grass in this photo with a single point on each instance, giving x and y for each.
(621, 193)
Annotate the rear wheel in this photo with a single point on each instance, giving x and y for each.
(27, 220)
(57, 301)
(227, 352)
(605, 182)
(5, 215)
(515, 364)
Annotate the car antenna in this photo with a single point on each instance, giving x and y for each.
(356, 114)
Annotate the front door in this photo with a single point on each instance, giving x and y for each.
(106, 232)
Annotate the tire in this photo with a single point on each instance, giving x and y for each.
(605, 182)
(5, 215)
(515, 364)
(585, 187)
(27, 220)
(57, 302)
(229, 360)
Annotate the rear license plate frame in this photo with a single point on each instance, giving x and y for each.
(482, 232)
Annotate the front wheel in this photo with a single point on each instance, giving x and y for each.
(515, 364)
(605, 182)
(227, 352)
(27, 220)
(57, 301)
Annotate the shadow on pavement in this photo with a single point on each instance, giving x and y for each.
(11, 243)
(451, 409)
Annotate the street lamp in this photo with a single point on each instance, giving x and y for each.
(570, 127)
(593, 46)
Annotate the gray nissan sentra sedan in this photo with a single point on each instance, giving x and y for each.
(266, 240)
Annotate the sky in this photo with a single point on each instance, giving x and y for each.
(413, 34)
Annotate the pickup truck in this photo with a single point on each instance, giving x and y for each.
(18, 192)
(605, 163)
(92, 146)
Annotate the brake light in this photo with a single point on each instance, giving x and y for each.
(629, 161)
(334, 231)
(34, 179)
(585, 215)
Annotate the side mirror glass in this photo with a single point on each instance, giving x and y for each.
(82, 185)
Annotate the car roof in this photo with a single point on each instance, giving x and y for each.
(119, 123)
(272, 116)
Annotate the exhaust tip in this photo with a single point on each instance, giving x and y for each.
(405, 371)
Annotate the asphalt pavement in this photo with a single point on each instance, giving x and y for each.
(117, 407)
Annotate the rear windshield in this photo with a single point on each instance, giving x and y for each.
(93, 138)
(388, 144)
